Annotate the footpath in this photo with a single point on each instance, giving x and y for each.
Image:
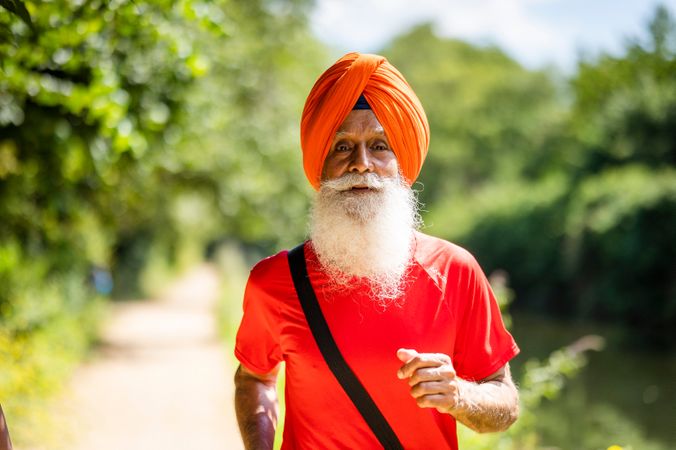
(161, 378)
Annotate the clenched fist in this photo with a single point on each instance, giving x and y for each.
(432, 379)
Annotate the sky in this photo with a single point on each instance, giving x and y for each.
(535, 32)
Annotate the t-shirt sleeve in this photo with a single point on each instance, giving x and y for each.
(483, 344)
(257, 343)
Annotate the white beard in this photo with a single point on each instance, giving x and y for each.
(365, 235)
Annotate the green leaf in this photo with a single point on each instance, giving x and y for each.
(17, 8)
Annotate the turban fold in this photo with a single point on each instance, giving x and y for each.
(391, 98)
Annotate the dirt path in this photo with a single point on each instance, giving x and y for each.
(161, 379)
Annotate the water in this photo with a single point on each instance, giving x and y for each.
(626, 395)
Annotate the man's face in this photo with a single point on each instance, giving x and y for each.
(364, 213)
(360, 146)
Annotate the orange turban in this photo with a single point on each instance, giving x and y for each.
(391, 98)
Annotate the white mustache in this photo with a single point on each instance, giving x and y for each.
(350, 180)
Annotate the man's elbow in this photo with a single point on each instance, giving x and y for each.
(510, 417)
(501, 419)
(499, 423)
(511, 413)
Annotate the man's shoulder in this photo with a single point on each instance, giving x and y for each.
(434, 251)
(270, 268)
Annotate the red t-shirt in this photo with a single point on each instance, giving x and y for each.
(448, 308)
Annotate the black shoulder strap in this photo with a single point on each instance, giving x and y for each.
(347, 379)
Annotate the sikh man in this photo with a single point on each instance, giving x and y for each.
(412, 315)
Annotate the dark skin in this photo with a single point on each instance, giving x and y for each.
(257, 407)
(360, 146)
(5, 441)
(487, 405)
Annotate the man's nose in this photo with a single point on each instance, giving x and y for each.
(361, 160)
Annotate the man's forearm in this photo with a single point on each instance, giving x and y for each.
(491, 404)
(487, 407)
(257, 410)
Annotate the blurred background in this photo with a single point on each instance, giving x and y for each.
(141, 138)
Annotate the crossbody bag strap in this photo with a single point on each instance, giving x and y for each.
(327, 346)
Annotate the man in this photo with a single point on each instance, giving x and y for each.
(413, 316)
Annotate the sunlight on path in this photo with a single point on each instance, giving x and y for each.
(160, 379)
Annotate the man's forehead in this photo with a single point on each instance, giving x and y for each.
(360, 121)
(378, 130)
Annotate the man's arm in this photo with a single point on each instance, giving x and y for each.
(489, 405)
(5, 441)
(257, 408)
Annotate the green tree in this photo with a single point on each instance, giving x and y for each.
(490, 118)
(625, 106)
(621, 216)
(131, 131)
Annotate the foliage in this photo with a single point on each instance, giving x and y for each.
(515, 227)
(131, 133)
(625, 107)
(45, 330)
(621, 246)
(240, 149)
(542, 380)
(490, 118)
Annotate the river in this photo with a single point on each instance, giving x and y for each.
(625, 395)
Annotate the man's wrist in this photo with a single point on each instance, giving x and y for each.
(463, 404)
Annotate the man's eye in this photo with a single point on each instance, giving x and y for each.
(341, 147)
(380, 146)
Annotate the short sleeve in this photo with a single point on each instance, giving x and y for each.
(257, 344)
(483, 344)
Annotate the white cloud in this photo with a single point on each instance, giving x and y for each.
(506, 23)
